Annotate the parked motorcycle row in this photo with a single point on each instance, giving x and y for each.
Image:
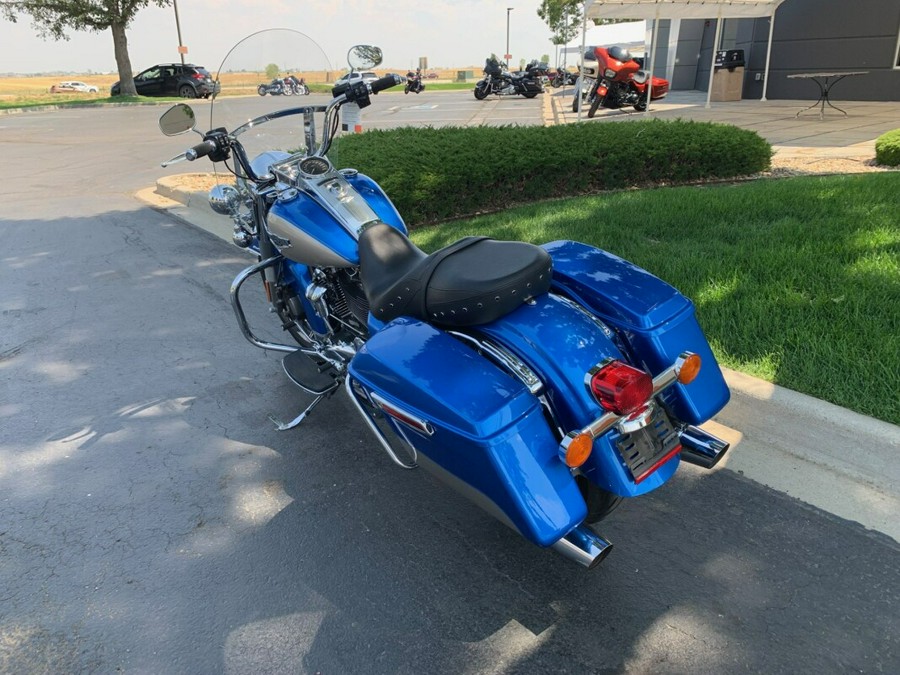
(499, 81)
(284, 86)
(545, 383)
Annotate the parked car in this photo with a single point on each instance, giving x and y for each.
(173, 79)
(73, 85)
(366, 76)
(432, 76)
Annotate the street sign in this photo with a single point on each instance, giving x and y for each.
(507, 56)
(182, 49)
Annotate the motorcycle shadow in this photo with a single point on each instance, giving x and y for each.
(369, 564)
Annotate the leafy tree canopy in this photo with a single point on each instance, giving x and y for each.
(54, 18)
(563, 17)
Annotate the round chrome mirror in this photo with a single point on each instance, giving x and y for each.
(177, 120)
(363, 57)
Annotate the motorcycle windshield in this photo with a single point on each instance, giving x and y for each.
(245, 92)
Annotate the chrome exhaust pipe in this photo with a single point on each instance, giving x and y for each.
(701, 448)
(583, 546)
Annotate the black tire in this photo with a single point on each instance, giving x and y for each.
(595, 104)
(600, 503)
(575, 103)
(641, 106)
(481, 92)
(530, 94)
(261, 90)
(187, 91)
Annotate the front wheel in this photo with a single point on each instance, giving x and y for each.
(261, 90)
(595, 104)
(481, 92)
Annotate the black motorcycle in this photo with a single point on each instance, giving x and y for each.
(297, 85)
(414, 82)
(277, 87)
(562, 78)
(497, 80)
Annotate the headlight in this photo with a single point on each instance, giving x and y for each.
(609, 72)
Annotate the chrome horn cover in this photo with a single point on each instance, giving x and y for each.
(224, 199)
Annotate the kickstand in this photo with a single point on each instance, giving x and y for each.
(282, 426)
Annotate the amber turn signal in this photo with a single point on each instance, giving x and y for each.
(578, 449)
(690, 368)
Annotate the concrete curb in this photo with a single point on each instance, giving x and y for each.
(827, 456)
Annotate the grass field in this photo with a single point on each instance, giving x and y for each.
(796, 281)
(35, 90)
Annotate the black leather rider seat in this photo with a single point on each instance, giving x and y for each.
(473, 281)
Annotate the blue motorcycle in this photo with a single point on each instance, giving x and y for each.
(545, 383)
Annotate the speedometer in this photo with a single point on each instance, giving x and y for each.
(314, 166)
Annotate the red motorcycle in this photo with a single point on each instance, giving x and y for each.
(619, 81)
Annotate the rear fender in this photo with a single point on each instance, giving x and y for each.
(653, 320)
(561, 343)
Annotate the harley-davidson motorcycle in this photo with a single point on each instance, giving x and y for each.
(497, 80)
(414, 82)
(277, 87)
(545, 383)
(613, 79)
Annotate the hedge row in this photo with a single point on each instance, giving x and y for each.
(887, 148)
(435, 174)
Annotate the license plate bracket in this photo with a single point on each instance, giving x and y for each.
(645, 450)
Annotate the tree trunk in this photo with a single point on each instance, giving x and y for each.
(120, 42)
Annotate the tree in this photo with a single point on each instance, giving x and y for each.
(53, 18)
(563, 17)
(272, 71)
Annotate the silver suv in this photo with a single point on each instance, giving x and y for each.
(366, 76)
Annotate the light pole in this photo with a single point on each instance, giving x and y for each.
(508, 10)
(181, 48)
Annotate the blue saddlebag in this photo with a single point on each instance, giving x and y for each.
(655, 321)
(490, 439)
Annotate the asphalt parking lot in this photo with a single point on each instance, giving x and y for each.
(152, 520)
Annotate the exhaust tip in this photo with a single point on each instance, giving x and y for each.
(584, 546)
(702, 448)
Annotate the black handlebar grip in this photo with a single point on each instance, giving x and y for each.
(200, 150)
(385, 82)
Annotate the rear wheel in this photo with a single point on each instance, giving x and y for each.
(600, 503)
(187, 91)
(531, 94)
(261, 90)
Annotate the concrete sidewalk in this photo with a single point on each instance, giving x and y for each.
(834, 135)
(829, 457)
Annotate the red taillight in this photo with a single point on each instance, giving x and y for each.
(620, 388)
(197, 76)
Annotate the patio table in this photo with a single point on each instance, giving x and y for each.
(826, 82)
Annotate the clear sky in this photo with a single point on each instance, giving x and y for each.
(452, 33)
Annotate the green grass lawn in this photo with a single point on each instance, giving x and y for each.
(796, 281)
(86, 100)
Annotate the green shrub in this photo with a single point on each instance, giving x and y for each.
(887, 148)
(435, 174)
